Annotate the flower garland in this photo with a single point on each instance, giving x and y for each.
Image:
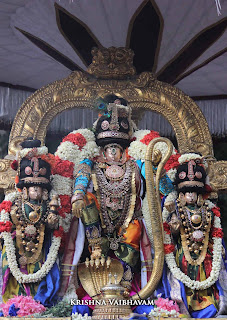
(75, 147)
(140, 141)
(39, 151)
(78, 316)
(6, 225)
(78, 145)
(165, 308)
(188, 156)
(169, 248)
(138, 147)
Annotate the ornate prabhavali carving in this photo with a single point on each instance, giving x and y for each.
(112, 63)
(218, 175)
(7, 176)
(143, 92)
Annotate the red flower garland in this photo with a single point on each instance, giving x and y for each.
(5, 226)
(172, 162)
(217, 232)
(169, 248)
(6, 205)
(77, 139)
(66, 206)
(59, 232)
(216, 211)
(63, 167)
(150, 136)
(50, 158)
(166, 227)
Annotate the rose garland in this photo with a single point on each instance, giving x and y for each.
(169, 248)
(6, 225)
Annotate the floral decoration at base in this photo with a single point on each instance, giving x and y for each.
(21, 306)
(78, 316)
(165, 308)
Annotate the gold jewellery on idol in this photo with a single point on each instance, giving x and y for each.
(195, 230)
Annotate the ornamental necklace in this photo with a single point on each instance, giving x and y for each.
(116, 196)
(194, 231)
(35, 215)
(29, 232)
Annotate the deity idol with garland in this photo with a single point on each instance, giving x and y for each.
(196, 275)
(108, 191)
(29, 229)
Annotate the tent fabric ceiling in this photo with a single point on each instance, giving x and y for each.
(168, 27)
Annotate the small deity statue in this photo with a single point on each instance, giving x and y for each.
(28, 220)
(193, 244)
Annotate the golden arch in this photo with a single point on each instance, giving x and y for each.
(142, 92)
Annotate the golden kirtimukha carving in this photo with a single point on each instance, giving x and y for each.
(112, 71)
(112, 63)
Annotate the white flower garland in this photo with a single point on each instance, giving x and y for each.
(137, 149)
(71, 152)
(11, 196)
(158, 312)
(193, 284)
(4, 216)
(216, 259)
(211, 205)
(65, 222)
(172, 174)
(11, 252)
(78, 316)
(172, 196)
(40, 151)
(62, 185)
(188, 156)
(39, 275)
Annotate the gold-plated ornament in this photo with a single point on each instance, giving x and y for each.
(196, 219)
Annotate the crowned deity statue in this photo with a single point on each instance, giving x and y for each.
(194, 250)
(30, 229)
(108, 179)
(110, 209)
